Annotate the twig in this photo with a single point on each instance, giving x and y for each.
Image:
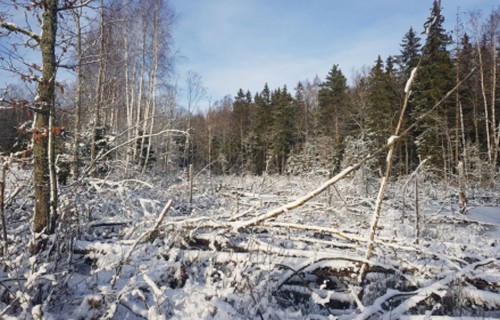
(238, 216)
(141, 238)
(101, 156)
(406, 185)
(253, 298)
(4, 311)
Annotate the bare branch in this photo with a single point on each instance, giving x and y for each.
(75, 5)
(103, 155)
(15, 28)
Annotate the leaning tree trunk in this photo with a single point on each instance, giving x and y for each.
(485, 101)
(78, 100)
(45, 105)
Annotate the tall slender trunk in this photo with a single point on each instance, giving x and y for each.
(78, 99)
(152, 123)
(52, 173)
(485, 100)
(45, 104)
(3, 182)
(114, 111)
(475, 116)
(496, 135)
(457, 93)
(138, 153)
(464, 145)
(210, 147)
(153, 78)
(128, 96)
(337, 127)
(100, 84)
(145, 141)
(457, 118)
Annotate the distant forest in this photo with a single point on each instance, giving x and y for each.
(123, 106)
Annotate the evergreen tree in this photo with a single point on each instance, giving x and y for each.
(389, 66)
(435, 78)
(332, 98)
(406, 61)
(283, 128)
(303, 115)
(259, 138)
(379, 103)
(384, 101)
(241, 119)
(410, 53)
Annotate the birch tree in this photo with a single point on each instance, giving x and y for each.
(100, 83)
(195, 92)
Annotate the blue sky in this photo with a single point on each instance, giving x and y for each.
(236, 44)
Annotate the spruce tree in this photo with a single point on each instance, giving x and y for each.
(302, 118)
(406, 61)
(410, 53)
(469, 91)
(379, 103)
(259, 137)
(435, 78)
(383, 102)
(241, 118)
(332, 98)
(283, 127)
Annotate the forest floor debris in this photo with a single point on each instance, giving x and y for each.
(119, 254)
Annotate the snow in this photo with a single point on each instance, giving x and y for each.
(247, 250)
(489, 215)
(409, 82)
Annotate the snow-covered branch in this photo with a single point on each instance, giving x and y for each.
(15, 28)
(74, 5)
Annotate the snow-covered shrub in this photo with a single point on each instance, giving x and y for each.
(317, 157)
(363, 181)
(478, 171)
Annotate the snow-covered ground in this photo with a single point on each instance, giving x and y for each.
(116, 257)
(489, 215)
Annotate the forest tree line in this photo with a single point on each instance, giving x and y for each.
(311, 126)
(123, 96)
